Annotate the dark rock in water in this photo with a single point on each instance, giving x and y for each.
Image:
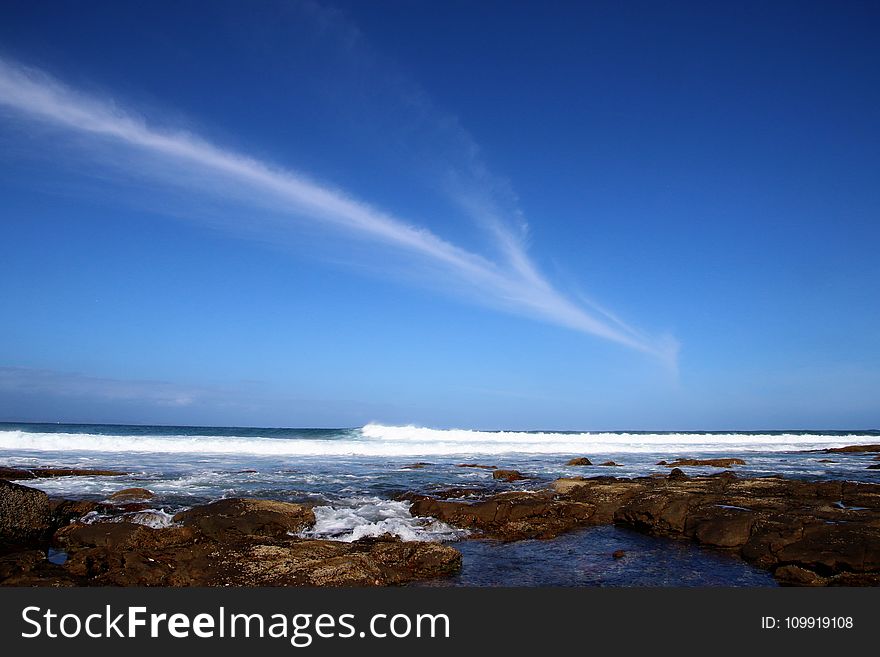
(235, 542)
(876, 466)
(853, 449)
(249, 517)
(129, 494)
(476, 465)
(715, 463)
(510, 516)
(11, 474)
(508, 475)
(583, 460)
(415, 466)
(826, 461)
(63, 511)
(122, 536)
(611, 464)
(457, 493)
(125, 507)
(25, 517)
(126, 554)
(618, 554)
(676, 474)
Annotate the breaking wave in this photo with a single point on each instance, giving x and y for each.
(370, 516)
(404, 441)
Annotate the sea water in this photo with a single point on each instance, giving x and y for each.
(353, 476)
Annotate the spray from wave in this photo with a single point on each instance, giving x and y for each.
(407, 441)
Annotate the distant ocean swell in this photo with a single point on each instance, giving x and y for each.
(379, 440)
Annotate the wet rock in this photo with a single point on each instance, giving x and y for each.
(12, 474)
(508, 475)
(130, 494)
(805, 532)
(853, 449)
(618, 554)
(25, 516)
(63, 511)
(611, 464)
(125, 554)
(476, 465)
(510, 516)
(876, 466)
(715, 463)
(122, 536)
(797, 576)
(30, 568)
(583, 460)
(458, 493)
(248, 517)
(676, 474)
(415, 466)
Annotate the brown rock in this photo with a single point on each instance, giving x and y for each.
(63, 511)
(25, 517)
(125, 554)
(677, 474)
(806, 532)
(853, 449)
(797, 576)
(618, 554)
(30, 568)
(415, 466)
(129, 494)
(510, 516)
(611, 464)
(583, 460)
(508, 475)
(476, 465)
(248, 517)
(715, 463)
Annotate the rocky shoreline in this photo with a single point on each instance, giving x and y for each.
(231, 542)
(817, 533)
(804, 533)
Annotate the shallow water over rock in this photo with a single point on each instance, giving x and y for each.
(585, 558)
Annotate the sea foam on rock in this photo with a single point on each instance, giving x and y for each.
(231, 542)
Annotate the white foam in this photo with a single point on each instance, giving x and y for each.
(155, 518)
(364, 517)
(390, 441)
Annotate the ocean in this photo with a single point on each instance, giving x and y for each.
(353, 477)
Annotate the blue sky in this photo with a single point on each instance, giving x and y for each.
(492, 215)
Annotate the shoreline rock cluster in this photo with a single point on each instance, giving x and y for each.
(817, 533)
(805, 533)
(230, 542)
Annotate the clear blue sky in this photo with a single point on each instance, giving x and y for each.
(498, 215)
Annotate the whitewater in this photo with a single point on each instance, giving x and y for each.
(394, 441)
(356, 478)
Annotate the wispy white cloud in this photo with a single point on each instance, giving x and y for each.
(512, 283)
